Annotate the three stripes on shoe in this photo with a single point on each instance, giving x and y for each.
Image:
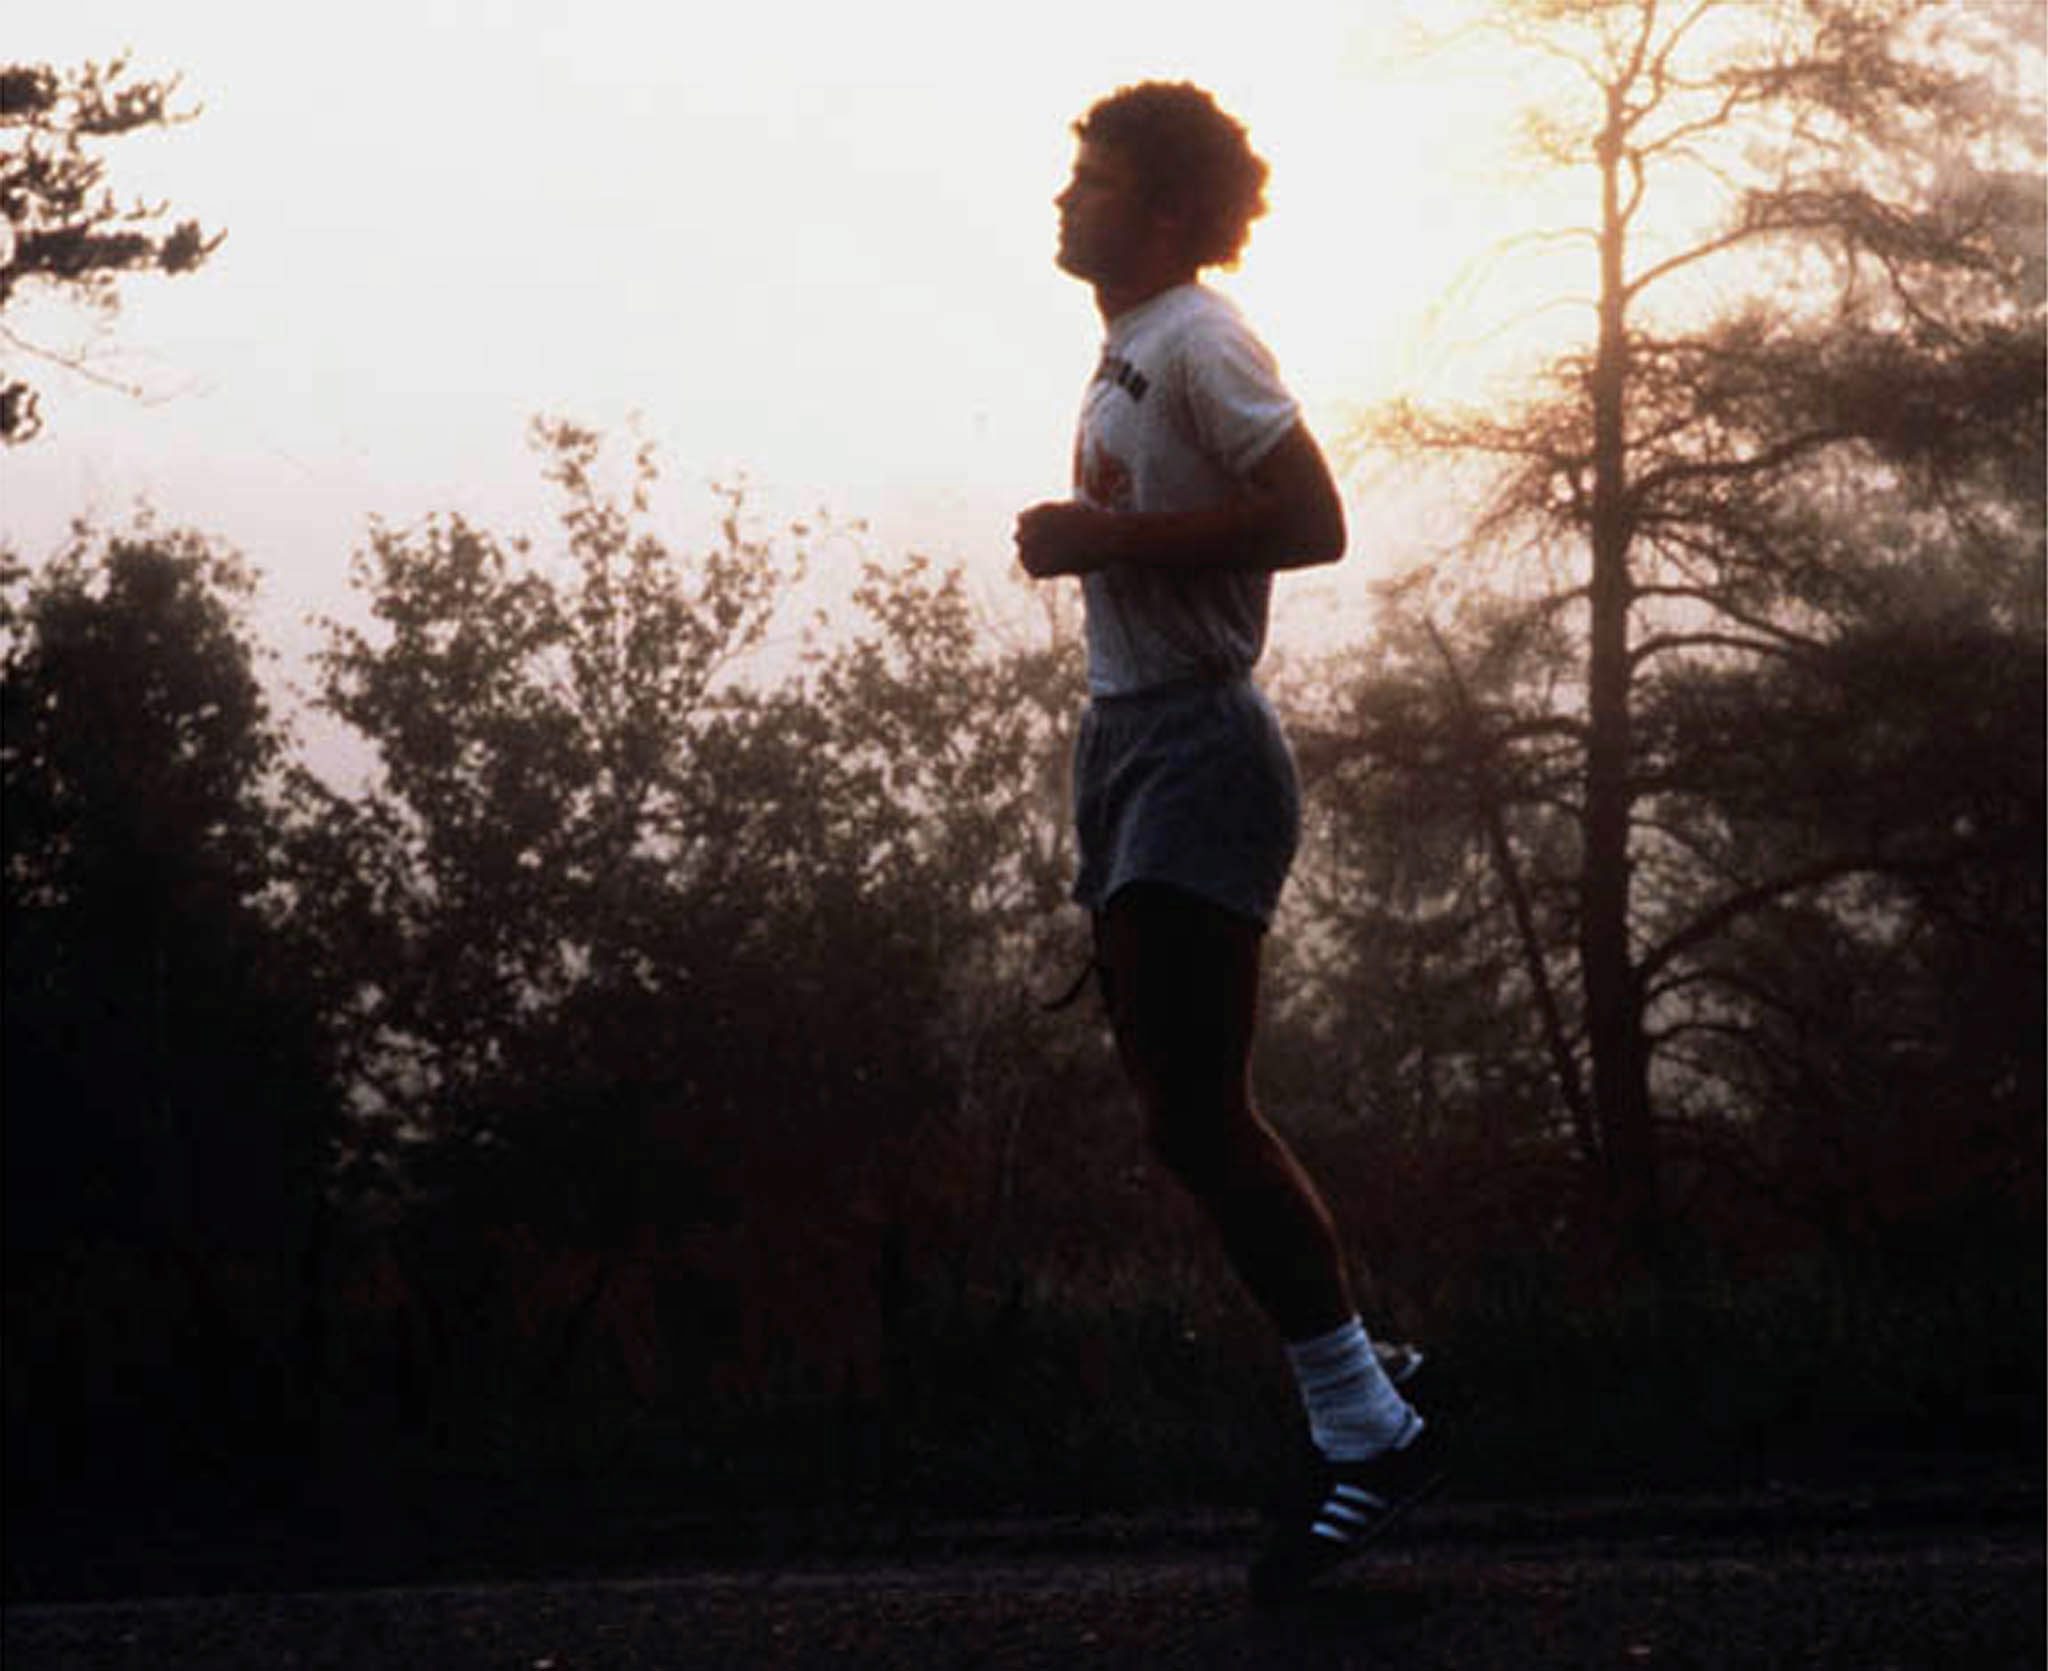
(1347, 1511)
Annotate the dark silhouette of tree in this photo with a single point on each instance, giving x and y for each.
(688, 980)
(65, 229)
(167, 1096)
(1881, 1031)
(1688, 493)
(545, 729)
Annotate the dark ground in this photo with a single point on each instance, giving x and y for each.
(1948, 1573)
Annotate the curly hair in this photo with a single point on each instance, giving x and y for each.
(1191, 160)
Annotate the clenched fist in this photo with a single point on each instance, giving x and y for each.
(1061, 537)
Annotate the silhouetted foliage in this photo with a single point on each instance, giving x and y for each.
(678, 979)
(1855, 421)
(1880, 1031)
(167, 1096)
(65, 229)
(144, 968)
(543, 733)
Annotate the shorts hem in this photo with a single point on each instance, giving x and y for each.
(1239, 904)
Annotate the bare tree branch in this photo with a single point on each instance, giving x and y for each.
(1740, 235)
(1792, 643)
(1563, 1058)
(1737, 469)
(1732, 908)
(72, 363)
(1664, 644)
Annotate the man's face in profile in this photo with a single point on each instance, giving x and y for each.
(1104, 220)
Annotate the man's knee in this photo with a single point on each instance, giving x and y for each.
(1205, 1140)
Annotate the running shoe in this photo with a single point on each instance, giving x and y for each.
(1342, 1508)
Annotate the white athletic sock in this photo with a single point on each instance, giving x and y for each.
(1354, 1413)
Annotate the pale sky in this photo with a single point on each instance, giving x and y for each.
(805, 243)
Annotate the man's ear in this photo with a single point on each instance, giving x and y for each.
(1171, 209)
(1172, 227)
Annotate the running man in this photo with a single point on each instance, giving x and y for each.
(1195, 480)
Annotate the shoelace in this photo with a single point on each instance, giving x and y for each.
(1054, 1005)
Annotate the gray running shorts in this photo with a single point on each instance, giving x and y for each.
(1192, 785)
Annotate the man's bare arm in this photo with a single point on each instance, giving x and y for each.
(1288, 517)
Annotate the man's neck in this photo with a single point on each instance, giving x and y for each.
(1113, 299)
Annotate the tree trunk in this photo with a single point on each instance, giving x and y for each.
(1614, 1008)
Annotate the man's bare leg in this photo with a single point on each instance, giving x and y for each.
(1181, 980)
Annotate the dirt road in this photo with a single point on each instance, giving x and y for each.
(1470, 1589)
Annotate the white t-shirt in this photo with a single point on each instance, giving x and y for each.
(1184, 402)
